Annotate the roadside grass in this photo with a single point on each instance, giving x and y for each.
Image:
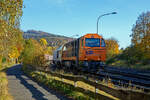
(4, 95)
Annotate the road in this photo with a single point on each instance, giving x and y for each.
(22, 87)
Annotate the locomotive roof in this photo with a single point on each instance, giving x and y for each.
(94, 34)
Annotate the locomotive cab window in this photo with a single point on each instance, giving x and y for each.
(103, 43)
(92, 42)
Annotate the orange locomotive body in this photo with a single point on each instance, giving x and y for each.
(92, 51)
(87, 52)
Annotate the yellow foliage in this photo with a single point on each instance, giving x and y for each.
(10, 34)
(11, 11)
(43, 41)
(14, 53)
(31, 51)
(10, 40)
(112, 47)
(49, 50)
(0, 60)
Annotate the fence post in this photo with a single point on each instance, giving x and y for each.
(96, 90)
(75, 84)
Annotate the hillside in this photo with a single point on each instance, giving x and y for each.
(52, 39)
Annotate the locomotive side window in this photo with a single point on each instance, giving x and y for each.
(92, 42)
(103, 43)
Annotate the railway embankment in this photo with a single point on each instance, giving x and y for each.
(79, 88)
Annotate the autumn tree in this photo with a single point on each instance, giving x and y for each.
(10, 34)
(141, 35)
(14, 53)
(31, 49)
(10, 37)
(34, 54)
(47, 49)
(112, 47)
(11, 11)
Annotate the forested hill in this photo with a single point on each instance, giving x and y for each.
(52, 39)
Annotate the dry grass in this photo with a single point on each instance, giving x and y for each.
(4, 95)
(92, 88)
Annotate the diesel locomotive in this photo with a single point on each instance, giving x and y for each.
(86, 53)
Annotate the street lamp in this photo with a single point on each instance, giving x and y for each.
(102, 16)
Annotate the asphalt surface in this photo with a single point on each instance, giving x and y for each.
(22, 87)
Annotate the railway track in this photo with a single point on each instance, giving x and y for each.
(126, 77)
(121, 77)
(129, 72)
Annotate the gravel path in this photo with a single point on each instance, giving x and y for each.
(22, 87)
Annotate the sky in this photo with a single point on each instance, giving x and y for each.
(72, 17)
